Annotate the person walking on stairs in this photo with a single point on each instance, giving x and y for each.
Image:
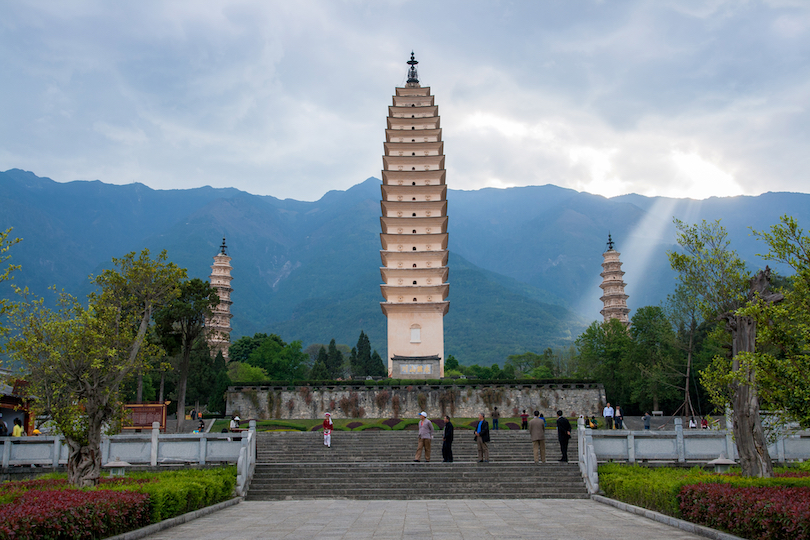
(482, 438)
(496, 415)
(447, 441)
(425, 436)
(563, 435)
(537, 431)
(327, 430)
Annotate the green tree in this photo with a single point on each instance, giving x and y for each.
(710, 268)
(319, 370)
(184, 317)
(363, 355)
(451, 363)
(77, 358)
(378, 368)
(240, 372)
(653, 359)
(281, 361)
(334, 361)
(783, 368)
(5, 246)
(604, 355)
(240, 350)
(216, 401)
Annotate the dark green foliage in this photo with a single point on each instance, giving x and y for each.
(377, 367)
(363, 355)
(216, 400)
(240, 350)
(334, 361)
(280, 360)
(319, 371)
(450, 362)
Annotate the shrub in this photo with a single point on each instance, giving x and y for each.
(381, 399)
(751, 512)
(395, 406)
(350, 405)
(72, 513)
(421, 400)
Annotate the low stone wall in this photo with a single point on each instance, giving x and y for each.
(464, 401)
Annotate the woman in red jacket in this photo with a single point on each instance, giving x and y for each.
(327, 430)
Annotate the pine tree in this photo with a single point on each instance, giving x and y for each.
(354, 367)
(334, 361)
(377, 365)
(319, 370)
(364, 355)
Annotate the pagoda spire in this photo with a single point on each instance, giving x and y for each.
(613, 298)
(413, 76)
(414, 233)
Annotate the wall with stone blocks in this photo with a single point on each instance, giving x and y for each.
(265, 402)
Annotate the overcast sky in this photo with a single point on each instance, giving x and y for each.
(289, 98)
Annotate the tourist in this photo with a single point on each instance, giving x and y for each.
(692, 423)
(524, 420)
(327, 430)
(482, 438)
(646, 420)
(704, 424)
(234, 424)
(425, 436)
(563, 435)
(608, 413)
(495, 417)
(618, 418)
(537, 432)
(447, 441)
(592, 423)
(18, 429)
(201, 426)
(3, 427)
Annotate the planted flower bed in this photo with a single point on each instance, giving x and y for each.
(755, 508)
(49, 508)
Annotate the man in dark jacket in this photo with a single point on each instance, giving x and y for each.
(563, 434)
(482, 438)
(447, 441)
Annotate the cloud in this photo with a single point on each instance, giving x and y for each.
(290, 98)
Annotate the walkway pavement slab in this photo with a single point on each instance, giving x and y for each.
(501, 519)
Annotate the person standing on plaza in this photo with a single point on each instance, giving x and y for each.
(608, 413)
(524, 420)
(537, 432)
(646, 420)
(447, 441)
(563, 435)
(18, 429)
(425, 436)
(328, 426)
(495, 417)
(618, 418)
(482, 438)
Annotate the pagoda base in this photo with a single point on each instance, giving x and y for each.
(416, 367)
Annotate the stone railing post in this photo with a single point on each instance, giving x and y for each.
(581, 440)
(203, 447)
(6, 451)
(155, 438)
(105, 450)
(780, 448)
(730, 447)
(57, 451)
(631, 447)
(679, 440)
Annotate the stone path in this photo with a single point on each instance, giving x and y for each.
(546, 519)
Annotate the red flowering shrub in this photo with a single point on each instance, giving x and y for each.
(71, 513)
(767, 513)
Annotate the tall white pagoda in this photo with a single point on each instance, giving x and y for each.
(613, 296)
(219, 326)
(414, 233)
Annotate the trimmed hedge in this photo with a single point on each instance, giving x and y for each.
(659, 488)
(49, 508)
(772, 513)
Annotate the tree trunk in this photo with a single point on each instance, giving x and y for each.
(185, 360)
(162, 385)
(139, 393)
(84, 460)
(751, 444)
(687, 398)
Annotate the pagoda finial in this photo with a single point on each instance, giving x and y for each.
(609, 242)
(223, 246)
(413, 77)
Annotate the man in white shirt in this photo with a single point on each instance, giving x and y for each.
(608, 414)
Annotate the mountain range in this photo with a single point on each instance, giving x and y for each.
(524, 262)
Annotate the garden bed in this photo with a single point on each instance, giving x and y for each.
(49, 508)
(767, 508)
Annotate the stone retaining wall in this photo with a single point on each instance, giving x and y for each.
(301, 402)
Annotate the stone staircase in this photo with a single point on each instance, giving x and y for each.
(379, 465)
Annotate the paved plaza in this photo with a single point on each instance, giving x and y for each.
(546, 519)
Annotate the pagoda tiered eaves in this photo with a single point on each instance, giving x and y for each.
(414, 229)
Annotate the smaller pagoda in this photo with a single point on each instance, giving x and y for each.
(219, 327)
(613, 296)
